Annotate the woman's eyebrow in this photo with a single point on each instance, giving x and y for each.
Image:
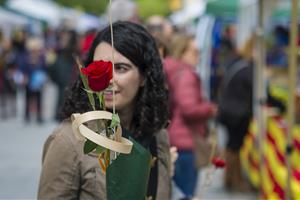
(122, 63)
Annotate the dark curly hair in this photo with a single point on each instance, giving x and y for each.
(135, 43)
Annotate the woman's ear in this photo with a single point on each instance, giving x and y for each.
(142, 83)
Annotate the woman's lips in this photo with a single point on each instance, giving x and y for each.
(108, 95)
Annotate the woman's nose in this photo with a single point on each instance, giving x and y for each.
(111, 81)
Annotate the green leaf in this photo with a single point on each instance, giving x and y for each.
(92, 100)
(89, 146)
(85, 84)
(115, 121)
(83, 78)
(100, 149)
(91, 97)
(101, 99)
(88, 91)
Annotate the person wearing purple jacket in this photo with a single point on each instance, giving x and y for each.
(189, 110)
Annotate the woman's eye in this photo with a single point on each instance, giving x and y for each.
(121, 68)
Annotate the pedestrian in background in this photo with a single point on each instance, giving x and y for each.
(160, 27)
(63, 71)
(236, 111)
(189, 110)
(35, 75)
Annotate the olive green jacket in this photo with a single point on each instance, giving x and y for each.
(67, 173)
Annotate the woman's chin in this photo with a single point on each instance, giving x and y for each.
(109, 105)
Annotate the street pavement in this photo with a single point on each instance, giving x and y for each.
(21, 149)
(20, 158)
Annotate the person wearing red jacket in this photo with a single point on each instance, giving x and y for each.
(189, 110)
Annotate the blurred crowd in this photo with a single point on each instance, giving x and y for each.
(28, 62)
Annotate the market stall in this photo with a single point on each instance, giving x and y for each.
(271, 153)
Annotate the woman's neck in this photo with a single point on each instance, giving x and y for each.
(126, 118)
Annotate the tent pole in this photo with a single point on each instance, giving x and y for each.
(259, 88)
(292, 90)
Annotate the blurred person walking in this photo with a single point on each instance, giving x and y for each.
(189, 111)
(10, 78)
(64, 70)
(235, 112)
(35, 77)
(163, 51)
(160, 28)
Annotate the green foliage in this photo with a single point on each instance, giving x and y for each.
(2, 2)
(115, 121)
(153, 7)
(146, 7)
(89, 146)
(85, 83)
(100, 150)
(96, 7)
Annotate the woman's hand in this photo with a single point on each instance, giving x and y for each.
(174, 156)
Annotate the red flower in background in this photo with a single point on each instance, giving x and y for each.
(87, 42)
(218, 162)
(99, 74)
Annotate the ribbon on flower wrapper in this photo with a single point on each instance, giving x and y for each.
(81, 131)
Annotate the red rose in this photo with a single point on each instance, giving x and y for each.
(218, 162)
(99, 74)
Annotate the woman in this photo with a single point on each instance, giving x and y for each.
(140, 101)
(189, 110)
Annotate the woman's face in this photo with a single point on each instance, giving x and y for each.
(191, 55)
(127, 78)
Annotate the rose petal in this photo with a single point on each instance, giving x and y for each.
(99, 74)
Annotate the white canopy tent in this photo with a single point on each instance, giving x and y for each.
(81, 21)
(191, 9)
(7, 16)
(87, 22)
(45, 10)
(55, 15)
(9, 21)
